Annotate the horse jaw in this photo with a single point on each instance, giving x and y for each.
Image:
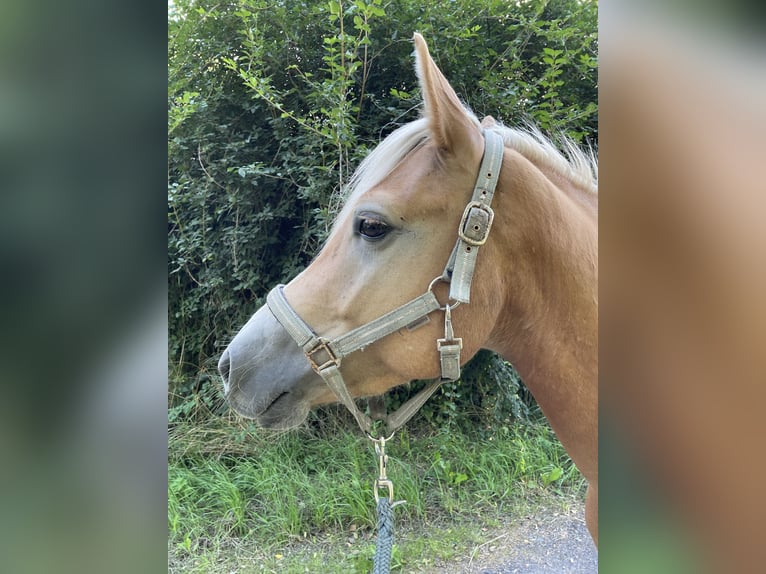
(266, 376)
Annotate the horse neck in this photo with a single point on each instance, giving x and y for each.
(548, 243)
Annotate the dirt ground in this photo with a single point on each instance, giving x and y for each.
(551, 541)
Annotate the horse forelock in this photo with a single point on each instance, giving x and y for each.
(381, 161)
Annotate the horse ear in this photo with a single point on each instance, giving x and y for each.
(451, 126)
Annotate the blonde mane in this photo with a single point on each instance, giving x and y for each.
(578, 166)
(573, 163)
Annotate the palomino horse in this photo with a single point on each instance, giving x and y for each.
(381, 275)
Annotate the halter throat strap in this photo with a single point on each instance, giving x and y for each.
(325, 355)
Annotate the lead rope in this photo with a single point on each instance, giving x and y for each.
(381, 563)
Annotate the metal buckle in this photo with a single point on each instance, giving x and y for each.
(476, 226)
(332, 359)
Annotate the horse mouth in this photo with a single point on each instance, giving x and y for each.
(274, 402)
(284, 412)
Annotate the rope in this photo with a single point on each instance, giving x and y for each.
(381, 564)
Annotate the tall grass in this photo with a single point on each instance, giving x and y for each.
(231, 483)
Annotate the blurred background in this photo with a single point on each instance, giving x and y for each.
(682, 325)
(82, 284)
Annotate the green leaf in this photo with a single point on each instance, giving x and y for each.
(553, 475)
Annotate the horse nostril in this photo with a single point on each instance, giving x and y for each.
(224, 365)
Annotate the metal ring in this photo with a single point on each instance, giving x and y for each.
(431, 289)
(383, 484)
(385, 440)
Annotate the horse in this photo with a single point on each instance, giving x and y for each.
(521, 276)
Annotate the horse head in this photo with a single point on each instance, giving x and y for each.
(389, 244)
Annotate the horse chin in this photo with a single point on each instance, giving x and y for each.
(284, 418)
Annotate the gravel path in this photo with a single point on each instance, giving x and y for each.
(548, 542)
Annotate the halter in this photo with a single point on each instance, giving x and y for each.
(324, 355)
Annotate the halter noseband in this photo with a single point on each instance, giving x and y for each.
(324, 355)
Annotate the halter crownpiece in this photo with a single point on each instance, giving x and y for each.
(325, 355)
(476, 222)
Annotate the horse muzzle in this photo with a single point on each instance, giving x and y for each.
(266, 376)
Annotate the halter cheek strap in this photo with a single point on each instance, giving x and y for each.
(324, 355)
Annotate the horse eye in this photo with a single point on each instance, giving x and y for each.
(372, 229)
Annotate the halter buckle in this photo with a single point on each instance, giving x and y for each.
(322, 362)
(475, 224)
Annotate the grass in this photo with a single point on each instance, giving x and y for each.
(303, 501)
